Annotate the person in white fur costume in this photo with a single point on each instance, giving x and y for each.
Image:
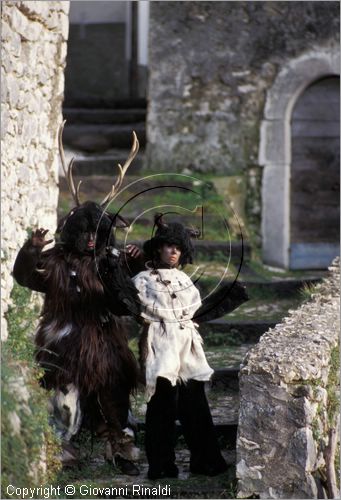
(172, 357)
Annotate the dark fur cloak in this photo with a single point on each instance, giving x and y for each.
(79, 340)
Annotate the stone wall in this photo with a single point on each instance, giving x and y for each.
(210, 66)
(289, 402)
(34, 36)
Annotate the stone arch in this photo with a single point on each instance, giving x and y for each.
(275, 147)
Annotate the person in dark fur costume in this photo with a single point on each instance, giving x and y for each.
(172, 356)
(81, 342)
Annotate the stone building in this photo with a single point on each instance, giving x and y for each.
(247, 90)
(34, 36)
(107, 53)
(251, 90)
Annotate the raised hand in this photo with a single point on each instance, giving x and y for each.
(133, 251)
(38, 238)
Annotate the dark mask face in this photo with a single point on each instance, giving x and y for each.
(87, 229)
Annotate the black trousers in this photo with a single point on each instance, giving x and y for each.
(188, 403)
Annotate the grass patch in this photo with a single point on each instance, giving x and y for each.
(307, 291)
(258, 267)
(21, 320)
(183, 198)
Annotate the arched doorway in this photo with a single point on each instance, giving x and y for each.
(314, 178)
(275, 150)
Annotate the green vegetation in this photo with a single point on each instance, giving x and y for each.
(268, 272)
(215, 257)
(333, 387)
(307, 291)
(227, 356)
(220, 339)
(333, 408)
(21, 320)
(27, 439)
(188, 194)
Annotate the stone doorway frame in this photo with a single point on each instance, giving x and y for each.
(275, 146)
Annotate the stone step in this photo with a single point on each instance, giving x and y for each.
(241, 331)
(221, 392)
(103, 116)
(95, 187)
(225, 431)
(106, 165)
(142, 182)
(210, 248)
(187, 485)
(224, 379)
(185, 219)
(97, 103)
(99, 138)
(280, 288)
(223, 397)
(220, 332)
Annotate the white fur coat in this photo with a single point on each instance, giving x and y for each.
(169, 300)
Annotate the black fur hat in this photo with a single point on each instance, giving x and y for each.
(172, 233)
(89, 217)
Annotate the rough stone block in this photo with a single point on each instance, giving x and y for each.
(35, 9)
(275, 232)
(293, 78)
(28, 30)
(64, 6)
(64, 23)
(283, 419)
(10, 39)
(274, 142)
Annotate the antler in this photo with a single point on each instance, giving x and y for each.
(68, 171)
(122, 170)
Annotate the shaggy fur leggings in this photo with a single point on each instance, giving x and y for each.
(188, 403)
(68, 410)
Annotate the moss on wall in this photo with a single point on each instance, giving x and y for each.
(333, 404)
